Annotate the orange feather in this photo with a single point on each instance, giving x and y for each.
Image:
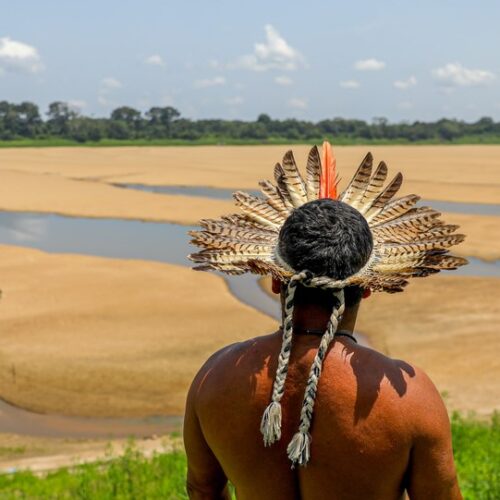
(328, 179)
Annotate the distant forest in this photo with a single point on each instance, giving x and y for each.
(24, 121)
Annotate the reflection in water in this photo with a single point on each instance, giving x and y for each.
(225, 194)
(115, 238)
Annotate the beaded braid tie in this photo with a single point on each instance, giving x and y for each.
(299, 448)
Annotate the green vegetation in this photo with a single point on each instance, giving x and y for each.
(131, 476)
(476, 445)
(477, 456)
(22, 125)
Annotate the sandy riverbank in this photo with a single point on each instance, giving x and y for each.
(447, 325)
(40, 455)
(92, 336)
(452, 173)
(76, 181)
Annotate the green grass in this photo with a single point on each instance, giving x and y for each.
(477, 456)
(212, 141)
(132, 476)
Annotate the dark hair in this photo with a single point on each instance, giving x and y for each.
(328, 238)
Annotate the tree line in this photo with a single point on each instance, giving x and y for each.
(24, 121)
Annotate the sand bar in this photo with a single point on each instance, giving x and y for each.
(93, 336)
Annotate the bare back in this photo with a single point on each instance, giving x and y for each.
(379, 426)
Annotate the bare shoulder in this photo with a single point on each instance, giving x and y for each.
(233, 359)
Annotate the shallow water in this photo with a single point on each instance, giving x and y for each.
(226, 194)
(117, 238)
(129, 239)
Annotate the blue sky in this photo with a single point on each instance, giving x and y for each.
(225, 59)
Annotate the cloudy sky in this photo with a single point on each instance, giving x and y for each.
(401, 59)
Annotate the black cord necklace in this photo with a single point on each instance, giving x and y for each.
(317, 331)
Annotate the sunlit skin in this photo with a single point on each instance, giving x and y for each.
(379, 425)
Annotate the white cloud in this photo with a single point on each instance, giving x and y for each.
(155, 60)
(456, 75)
(405, 84)
(210, 82)
(350, 84)
(283, 80)
(77, 104)
(107, 87)
(297, 103)
(369, 65)
(234, 101)
(274, 53)
(110, 83)
(104, 101)
(19, 56)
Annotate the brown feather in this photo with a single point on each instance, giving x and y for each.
(359, 182)
(384, 197)
(373, 188)
(313, 177)
(274, 197)
(279, 176)
(394, 209)
(293, 180)
(258, 209)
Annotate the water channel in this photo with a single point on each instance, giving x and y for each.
(225, 194)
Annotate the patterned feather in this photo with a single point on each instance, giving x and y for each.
(263, 268)
(213, 242)
(242, 220)
(374, 187)
(258, 209)
(313, 178)
(216, 256)
(227, 269)
(384, 197)
(359, 182)
(293, 180)
(228, 230)
(414, 221)
(217, 240)
(274, 197)
(408, 236)
(279, 176)
(438, 243)
(395, 209)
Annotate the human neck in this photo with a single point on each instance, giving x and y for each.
(316, 317)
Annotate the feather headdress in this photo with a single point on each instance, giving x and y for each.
(408, 241)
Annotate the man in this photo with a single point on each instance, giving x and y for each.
(380, 426)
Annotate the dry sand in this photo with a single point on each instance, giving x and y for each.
(40, 455)
(447, 325)
(94, 336)
(75, 181)
(24, 191)
(453, 173)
